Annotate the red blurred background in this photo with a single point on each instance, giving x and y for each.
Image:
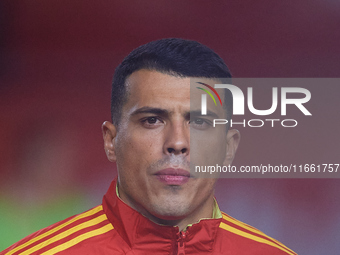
(56, 65)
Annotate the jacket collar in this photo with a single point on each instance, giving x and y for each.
(137, 230)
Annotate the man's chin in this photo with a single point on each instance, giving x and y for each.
(171, 210)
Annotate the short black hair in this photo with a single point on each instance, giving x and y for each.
(173, 56)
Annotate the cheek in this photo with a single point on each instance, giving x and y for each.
(206, 184)
(208, 149)
(130, 141)
(204, 189)
(137, 150)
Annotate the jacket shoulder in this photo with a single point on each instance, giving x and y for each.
(245, 239)
(64, 234)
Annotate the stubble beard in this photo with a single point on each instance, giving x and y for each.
(173, 202)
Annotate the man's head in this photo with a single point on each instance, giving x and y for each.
(173, 56)
(152, 123)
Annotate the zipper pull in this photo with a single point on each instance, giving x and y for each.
(181, 246)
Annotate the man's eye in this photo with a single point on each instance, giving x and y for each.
(200, 123)
(151, 120)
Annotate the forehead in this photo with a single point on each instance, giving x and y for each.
(148, 81)
(154, 89)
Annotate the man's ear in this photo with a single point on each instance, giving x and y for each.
(109, 134)
(233, 139)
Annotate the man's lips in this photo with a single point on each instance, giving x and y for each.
(173, 176)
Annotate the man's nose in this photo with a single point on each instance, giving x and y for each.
(177, 140)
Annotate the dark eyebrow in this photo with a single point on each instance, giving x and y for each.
(152, 110)
(209, 114)
(160, 111)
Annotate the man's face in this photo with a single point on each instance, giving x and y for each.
(151, 147)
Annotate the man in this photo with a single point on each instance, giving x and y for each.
(157, 205)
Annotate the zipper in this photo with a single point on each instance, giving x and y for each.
(181, 243)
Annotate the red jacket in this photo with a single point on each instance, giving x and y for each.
(115, 228)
